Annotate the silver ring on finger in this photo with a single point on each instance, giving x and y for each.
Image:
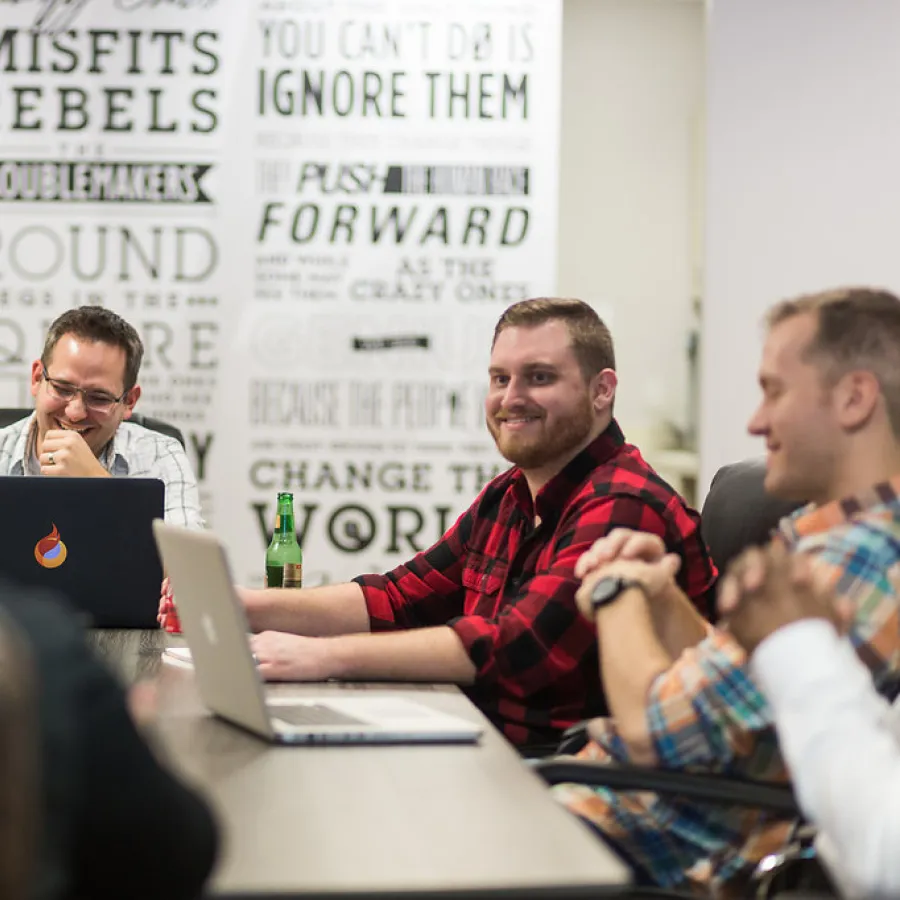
(50, 460)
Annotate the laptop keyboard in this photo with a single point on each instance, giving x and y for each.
(312, 714)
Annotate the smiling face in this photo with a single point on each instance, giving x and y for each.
(797, 416)
(540, 408)
(93, 366)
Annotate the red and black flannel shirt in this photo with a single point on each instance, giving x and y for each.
(507, 588)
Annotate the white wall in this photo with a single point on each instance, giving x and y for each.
(632, 94)
(803, 179)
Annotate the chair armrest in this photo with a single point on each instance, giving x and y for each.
(701, 787)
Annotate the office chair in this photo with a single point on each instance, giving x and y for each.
(8, 415)
(737, 514)
(19, 752)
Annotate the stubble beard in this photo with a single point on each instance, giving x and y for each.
(536, 452)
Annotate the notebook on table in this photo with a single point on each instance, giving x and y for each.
(215, 626)
(90, 539)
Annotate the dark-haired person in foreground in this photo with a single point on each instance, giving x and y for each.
(830, 417)
(85, 387)
(491, 606)
(113, 823)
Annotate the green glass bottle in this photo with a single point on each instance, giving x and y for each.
(284, 558)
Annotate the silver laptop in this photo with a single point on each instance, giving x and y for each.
(215, 626)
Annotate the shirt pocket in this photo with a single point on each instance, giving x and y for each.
(483, 578)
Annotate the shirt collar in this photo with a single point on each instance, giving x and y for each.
(812, 519)
(552, 497)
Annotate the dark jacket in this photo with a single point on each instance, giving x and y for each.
(114, 823)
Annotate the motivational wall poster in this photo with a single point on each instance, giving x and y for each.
(314, 213)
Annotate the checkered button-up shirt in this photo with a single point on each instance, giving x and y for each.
(705, 713)
(133, 452)
(507, 586)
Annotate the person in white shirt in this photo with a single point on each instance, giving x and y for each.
(839, 736)
(85, 388)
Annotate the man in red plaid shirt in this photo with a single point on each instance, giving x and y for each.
(491, 606)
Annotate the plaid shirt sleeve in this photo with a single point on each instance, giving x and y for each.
(705, 710)
(182, 495)
(427, 590)
(147, 454)
(861, 564)
(538, 640)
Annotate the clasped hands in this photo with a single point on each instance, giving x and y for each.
(769, 588)
(635, 555)
(764, 589)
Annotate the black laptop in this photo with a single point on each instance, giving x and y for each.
(89, 538)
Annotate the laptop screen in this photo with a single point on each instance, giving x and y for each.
(91, 539)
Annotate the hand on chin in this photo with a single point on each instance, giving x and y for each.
(66, 453)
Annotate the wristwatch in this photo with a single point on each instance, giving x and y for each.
(609, 588)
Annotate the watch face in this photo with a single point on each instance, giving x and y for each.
(606, 589)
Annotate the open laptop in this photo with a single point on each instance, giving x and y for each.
(215, 626)
(89, 538)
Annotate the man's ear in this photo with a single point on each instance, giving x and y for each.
(603, 390)
(37, 376)
(133, 396)
(857, 396)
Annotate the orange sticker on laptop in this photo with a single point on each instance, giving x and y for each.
(50, 551)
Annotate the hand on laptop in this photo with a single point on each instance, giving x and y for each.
(66, 454)
(291, 657)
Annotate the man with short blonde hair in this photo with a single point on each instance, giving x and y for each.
(827, 415)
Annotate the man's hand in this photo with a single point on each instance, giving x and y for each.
(291, 657)
(165, 614)
(656, 578)
(768, 588)
(620, 543)
(66, 454)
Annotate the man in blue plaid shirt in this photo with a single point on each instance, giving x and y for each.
(679, 690)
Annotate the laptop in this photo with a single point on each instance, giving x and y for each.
(90, 539)
(215, 626)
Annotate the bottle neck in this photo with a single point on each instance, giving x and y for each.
(285, 527)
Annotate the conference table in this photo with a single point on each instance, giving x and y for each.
(337, 821)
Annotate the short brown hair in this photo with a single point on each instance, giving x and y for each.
(96, 323)
(591, 341)
(856, 328)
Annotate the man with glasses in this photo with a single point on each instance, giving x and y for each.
(85, 389)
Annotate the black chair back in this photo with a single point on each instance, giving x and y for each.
(738, 513)
(9, 415)
(158, 425)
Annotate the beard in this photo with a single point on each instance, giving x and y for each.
(536, 450)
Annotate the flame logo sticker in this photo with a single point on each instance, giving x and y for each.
(50, 551)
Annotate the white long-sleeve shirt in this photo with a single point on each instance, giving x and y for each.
(841, 741)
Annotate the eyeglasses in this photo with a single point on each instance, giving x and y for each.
(96, 401)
